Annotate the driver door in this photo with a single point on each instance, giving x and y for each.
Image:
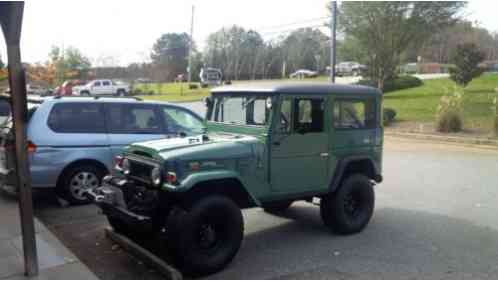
(299, 148)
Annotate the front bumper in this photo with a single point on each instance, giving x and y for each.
(110, 199)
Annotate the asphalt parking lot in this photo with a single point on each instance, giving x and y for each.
(436, 218)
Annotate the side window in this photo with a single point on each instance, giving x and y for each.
(96, 84)
(178, 121)
(133, 119)
(308, 115)
(77, 118)
(354, 114)
(106, 83)
(285, 116)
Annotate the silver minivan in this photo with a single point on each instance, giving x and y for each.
(74, 141)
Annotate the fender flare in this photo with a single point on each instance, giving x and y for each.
(190, 181)
(343, 163)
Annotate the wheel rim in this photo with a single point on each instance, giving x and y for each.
(81, 182)
(208, 238)
(353, 204)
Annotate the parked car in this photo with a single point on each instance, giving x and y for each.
(72, 141)
(104, 87)
(210, 77)
(266, 146)
(350, 68)
(37, 90)
(66, 89)
(304, 73)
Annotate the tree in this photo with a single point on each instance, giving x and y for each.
(2, 65)
(306, 48)
(67, 64)
(466, 59)
(384, 30)
(170, 54)
(237, 52)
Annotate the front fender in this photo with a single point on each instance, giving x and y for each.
(191, 180)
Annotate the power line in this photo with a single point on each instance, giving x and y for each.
(276, 33)
(262, 29)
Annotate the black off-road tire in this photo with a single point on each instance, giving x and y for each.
(209, 235)
(63, 188)
(277, 207)
(349, 209)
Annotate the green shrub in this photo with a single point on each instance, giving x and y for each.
(389, 116)
(449, 113)
(398, 83)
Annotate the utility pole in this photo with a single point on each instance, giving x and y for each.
(11, 14)
(191, 46)
(333, 23)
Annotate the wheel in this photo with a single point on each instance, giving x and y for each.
(209, 235)
(121, 93)
(85, 93)
(78, 179)
(355, 73)
(277, 207)
(350, 208)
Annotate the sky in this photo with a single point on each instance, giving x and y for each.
(115, 32)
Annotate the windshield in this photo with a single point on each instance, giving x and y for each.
(244, 110)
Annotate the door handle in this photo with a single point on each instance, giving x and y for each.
(324, 155)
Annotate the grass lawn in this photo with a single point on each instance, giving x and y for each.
(173, 92)
(420, 103)
(179, 92)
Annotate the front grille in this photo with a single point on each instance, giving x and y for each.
(140, 171)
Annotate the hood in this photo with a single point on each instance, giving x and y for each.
(198, 147)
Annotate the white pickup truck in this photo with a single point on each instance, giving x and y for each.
(101, 87)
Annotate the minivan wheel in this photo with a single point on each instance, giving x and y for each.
(77, 180)
(209, 236)
(350, 208)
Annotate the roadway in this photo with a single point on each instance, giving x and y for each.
(436, 217)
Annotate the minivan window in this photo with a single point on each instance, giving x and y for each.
(77, 118)
(178, 120)
(133, 119)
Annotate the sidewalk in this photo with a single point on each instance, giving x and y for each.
(55, 260)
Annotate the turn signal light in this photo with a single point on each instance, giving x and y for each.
(171, 177)
(31, 147)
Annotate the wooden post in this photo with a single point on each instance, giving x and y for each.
(11, 19)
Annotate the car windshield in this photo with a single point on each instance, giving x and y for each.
(242, 110)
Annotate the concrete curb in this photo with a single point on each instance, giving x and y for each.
(143, 254)
(451, 139)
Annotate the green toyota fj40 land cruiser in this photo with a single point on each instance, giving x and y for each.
(266, 145)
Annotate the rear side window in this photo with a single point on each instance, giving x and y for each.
(133, 119)
(77, 118)
(354, 114)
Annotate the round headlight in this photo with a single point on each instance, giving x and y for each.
(155, 176)
(126, 166)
